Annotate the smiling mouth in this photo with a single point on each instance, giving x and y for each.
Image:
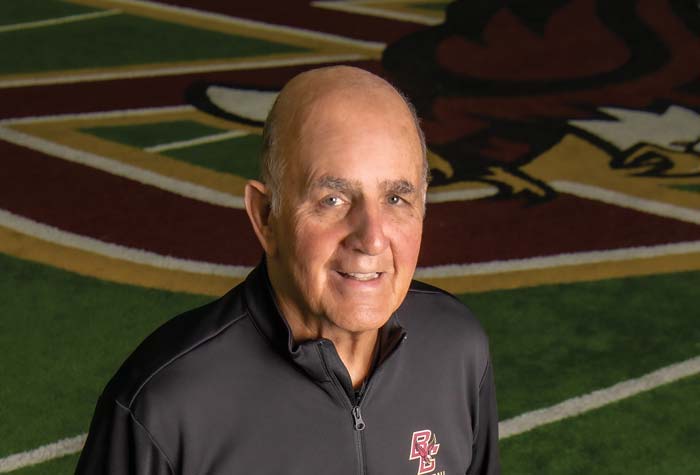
(361, 276)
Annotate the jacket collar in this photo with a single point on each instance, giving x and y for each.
(262, 305)
(266, 315)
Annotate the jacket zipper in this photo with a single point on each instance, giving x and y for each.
(355, 408)
(359, 426)
(355, 411)
(357, 417)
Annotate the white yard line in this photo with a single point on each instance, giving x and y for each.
(461, 195)
(58, 21)
(68, 446)
(596, 399)
(173, 185)
(113, 114)
(558, 260)
(58, 236)
(360, 9)
(198, 141)
(178, 70)
(374, 46)
(627, 201)
(508, 428)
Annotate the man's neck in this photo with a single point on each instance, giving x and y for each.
(356, 350)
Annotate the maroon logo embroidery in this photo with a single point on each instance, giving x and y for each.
(424, 446)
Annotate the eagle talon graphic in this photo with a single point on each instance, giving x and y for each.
(425, 451)
(424, 447)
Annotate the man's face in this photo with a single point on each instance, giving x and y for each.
(349, 229)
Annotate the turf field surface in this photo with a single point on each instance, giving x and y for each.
(564, 207)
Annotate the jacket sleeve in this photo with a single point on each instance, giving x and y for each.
(118, 444)
(485, 457)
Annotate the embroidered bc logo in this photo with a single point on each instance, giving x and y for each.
(424, 446)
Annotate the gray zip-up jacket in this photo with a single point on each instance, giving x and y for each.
(223, 389)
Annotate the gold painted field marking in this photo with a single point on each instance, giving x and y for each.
(576, 160)
(36, 242)
(58, 21)
(63, 139)
(400, 11)
(176, 186)
(171, 69)
(207, 139)
(315, 40)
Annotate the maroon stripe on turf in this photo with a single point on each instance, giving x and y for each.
(486, 230)
(92, 203)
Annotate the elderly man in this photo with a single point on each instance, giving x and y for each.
(328, 358)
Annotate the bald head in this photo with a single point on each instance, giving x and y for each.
(321, 90)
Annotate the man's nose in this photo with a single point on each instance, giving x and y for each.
(368, 230)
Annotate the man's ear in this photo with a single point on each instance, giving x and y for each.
(258, 207)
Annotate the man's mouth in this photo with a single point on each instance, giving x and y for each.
(362, 276)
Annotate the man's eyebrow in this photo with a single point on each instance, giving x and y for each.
(399, 187)
(335, 183)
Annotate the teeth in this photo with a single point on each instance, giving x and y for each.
(362, 276)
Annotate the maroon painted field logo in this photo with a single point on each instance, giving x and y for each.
(424, 447)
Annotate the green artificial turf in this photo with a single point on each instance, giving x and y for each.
(62, 337)
(149, 135)
(238, 156)
(60, 466)
(554, 342)
(690, 188)
(654, 432)
(23, 11)
(657, 432)
(121, 40)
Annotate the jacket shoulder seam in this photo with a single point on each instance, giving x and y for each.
(150, 436)
(435, 291)
(181, 354)
(483, 376)
(481, 386)
(425, 291)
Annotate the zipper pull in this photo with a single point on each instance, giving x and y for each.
(357, 417)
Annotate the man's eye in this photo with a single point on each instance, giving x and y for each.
(394, 199)
(332, 201)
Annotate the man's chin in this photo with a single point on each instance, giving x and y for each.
(361, 320)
